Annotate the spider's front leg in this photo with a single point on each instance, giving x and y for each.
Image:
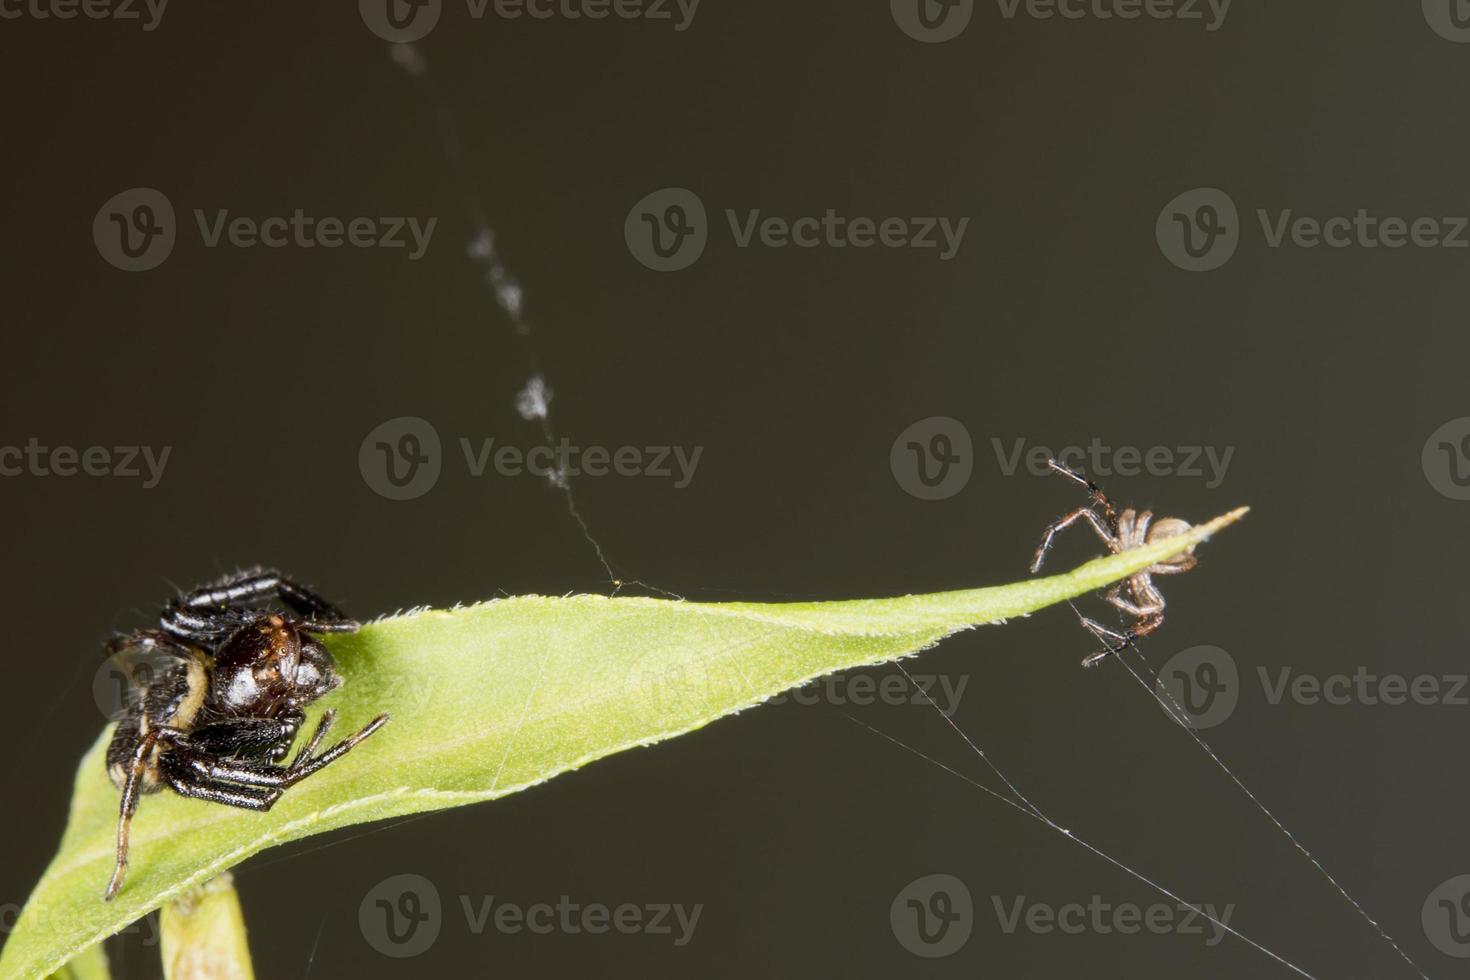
(206, 612)
(1081, 513)
(249, 773)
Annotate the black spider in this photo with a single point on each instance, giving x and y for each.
(218, 719)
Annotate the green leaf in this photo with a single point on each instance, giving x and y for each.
(493, 698)
(89, 964)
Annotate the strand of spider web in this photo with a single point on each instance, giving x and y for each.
(533, 402)
(1177, 711)
(1031, 811)
(1015, 791)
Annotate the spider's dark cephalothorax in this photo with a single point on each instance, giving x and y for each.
(1122, 531)
(218, 720)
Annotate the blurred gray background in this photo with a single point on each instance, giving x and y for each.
(1333, 375)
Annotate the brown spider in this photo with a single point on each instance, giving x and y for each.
(1123, 531)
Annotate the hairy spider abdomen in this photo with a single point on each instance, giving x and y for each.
(172, 700)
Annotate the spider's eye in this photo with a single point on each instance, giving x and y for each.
(280, 653)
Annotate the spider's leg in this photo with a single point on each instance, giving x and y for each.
(307, 763)
(126, 809)
(247, 738)
(1095, 491)
(1106, 637)
(256, 774)
(212, 612)
(1148, 595)
(202, 626)
(1081, 513)
(146, 641)
(1178, 565)
(329, 626)
(1150, 600)
(188, 782)
(309, 749)
(1145, 626)
(261, 583)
